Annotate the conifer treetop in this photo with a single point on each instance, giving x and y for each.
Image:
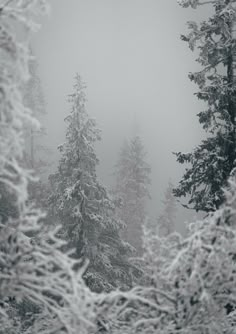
(83, 205)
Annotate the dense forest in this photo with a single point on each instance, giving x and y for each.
(79, 257)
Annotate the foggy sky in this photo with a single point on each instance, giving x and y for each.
(135, 66)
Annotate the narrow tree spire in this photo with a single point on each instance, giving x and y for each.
(83, 205)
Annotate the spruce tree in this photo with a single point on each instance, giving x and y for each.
(166, 221)
(213, 160)
(36, 154)
(132, 181)
(83, 205)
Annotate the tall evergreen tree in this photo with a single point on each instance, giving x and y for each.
(37, 156)
(36, 153)
(213, 160)
(166, 221)
(132, 181)
(83, 205)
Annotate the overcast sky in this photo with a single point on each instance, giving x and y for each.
(135, 66)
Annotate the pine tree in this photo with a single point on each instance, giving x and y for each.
(166, 221)
(132, 181)
(36, 154)
(213, 160)
(83, 205)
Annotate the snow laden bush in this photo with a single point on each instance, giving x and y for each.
(188, 3)
(191, 286)
(40, 289)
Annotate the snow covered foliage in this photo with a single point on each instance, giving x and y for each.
(132, 182)
(211, 163)
(192, 281)
(166, 221)
(188, 3)
(82, 204)
(48, 293)
(41, 290)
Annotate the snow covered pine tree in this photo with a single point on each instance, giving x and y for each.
(132, 181)
(36, 155)
(166, 221)
(39, 288)
(83, 206)
(213, 160)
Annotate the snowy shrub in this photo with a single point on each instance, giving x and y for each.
(191, 287)
(41, 290)
(188, 3)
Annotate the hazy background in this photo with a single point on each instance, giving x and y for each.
(135, 66)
